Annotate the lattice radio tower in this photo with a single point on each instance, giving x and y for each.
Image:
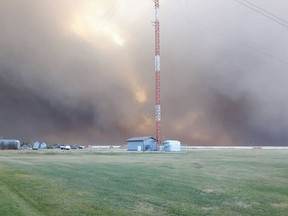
(157, 74)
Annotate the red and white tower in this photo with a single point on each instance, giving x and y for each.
(157, 73)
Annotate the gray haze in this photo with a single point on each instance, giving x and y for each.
(83, 71)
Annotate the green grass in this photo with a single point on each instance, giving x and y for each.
(220, 182)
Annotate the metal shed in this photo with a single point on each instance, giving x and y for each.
(36, 145)
(147, 143)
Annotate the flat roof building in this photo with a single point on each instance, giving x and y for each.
(147, 143)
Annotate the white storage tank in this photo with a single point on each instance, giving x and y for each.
(9, 144)
(172, 146)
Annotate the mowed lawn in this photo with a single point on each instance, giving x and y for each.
(200, 182)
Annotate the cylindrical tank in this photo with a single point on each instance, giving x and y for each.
(9, 144)
(172, 146)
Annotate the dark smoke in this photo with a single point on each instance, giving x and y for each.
(24, 112)
(223, 72)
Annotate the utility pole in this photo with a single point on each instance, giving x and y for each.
(157, 74)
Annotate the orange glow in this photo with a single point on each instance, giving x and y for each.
(89, 22)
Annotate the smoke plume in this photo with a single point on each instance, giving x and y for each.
(83, 72)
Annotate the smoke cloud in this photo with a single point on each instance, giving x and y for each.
(83, 72)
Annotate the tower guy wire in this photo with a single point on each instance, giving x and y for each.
(264, 13)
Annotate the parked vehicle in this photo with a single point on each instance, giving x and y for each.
(65, 147)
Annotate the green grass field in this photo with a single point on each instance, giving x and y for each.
(217, 182)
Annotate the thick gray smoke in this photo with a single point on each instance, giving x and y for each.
(82, 72)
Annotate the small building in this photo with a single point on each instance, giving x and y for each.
(147, 143)
(36, 145)
(172, 146)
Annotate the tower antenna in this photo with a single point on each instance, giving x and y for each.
(157, 74)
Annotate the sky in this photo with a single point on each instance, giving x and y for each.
(82, 71)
